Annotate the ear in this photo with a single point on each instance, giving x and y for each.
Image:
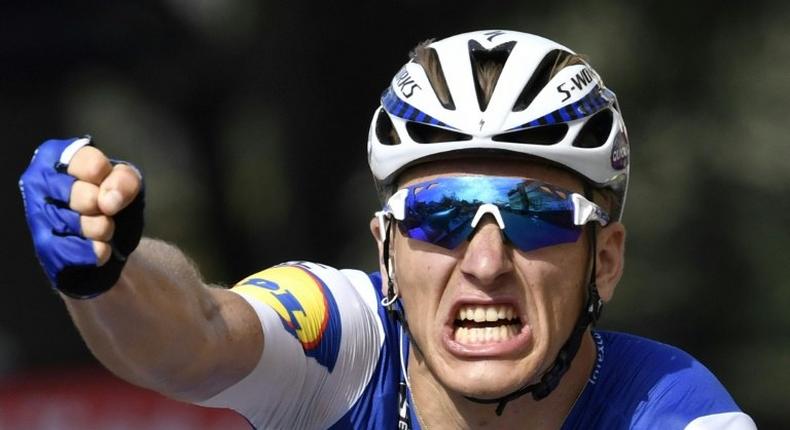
(374, 230)
(611, 259)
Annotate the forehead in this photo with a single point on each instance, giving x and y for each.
(491, 167)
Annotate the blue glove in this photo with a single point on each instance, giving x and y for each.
(65, 254)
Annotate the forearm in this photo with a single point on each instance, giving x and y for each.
(160, 326)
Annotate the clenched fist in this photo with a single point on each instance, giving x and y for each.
(85, 213)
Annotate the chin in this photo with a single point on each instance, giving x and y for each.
(484, 379)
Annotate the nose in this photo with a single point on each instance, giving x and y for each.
(487, 257)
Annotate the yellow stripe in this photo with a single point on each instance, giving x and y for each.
(302, 287)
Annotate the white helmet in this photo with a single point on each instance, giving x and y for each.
(564, 115)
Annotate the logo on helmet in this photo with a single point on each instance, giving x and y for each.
(620, 152)
(492, 34)
(405, 83)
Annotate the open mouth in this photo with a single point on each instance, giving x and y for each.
(482, 324)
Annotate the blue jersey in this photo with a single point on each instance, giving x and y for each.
(334, 359)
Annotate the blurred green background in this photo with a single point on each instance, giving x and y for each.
(249, 120)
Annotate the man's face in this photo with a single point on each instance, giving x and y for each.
(536, 295)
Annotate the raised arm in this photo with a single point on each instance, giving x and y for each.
(146, 315)
(162, 328)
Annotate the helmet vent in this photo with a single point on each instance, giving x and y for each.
(595, 131)
(543, 135)
(487, 65)
(546, 70)
(424, 133)
(429, 60)
(384, 129)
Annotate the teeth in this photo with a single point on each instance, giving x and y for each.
(476, 335)
(480, 313)
(505, 315)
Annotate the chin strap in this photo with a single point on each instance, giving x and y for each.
(589, 314)
(392, 303)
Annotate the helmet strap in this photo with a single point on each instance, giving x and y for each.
(392, 301)
(588, 315)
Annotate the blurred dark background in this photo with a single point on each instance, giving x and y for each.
(249, 119)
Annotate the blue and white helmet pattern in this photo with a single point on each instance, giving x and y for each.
(566, 116)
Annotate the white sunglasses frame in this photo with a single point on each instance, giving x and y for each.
(584, 211)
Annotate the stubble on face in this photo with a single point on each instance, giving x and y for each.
(546, 285)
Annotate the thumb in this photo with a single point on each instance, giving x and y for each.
(118, 189)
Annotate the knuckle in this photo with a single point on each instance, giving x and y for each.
(94, 170)
(106, 227)
(102, 251)
(89, 164)
(88, 153)
(100, 228)
(84, 197)
(124, 180)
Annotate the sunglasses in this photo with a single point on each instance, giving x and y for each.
(532, 214)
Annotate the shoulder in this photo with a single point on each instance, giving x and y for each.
(655, 366)
(315, 303)
(324, 340)
(641, 383)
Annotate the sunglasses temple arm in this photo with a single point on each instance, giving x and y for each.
(392, 295)
(585, 211)
(393, 209)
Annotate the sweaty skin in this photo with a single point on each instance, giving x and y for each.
(160, 326)
(546, 286)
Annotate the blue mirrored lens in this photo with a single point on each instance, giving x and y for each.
(535, 214)
(435, 215)
(539, 215)
(528, 233)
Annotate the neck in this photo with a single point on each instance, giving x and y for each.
(437, 407)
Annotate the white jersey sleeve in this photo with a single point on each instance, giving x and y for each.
(322, 340)
(723, 421)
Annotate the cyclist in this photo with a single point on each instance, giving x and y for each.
(502, 162)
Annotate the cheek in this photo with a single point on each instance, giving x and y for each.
(419, 263)
(421, 276)
(555, 277)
